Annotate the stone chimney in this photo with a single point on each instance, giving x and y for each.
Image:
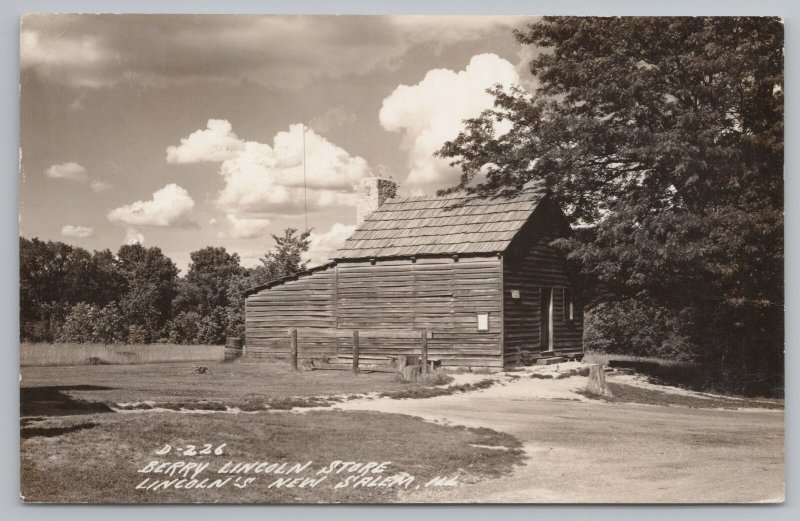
(371, 193)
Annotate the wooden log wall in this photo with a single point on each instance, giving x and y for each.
(389, 303)
(439, 294)
(529, 266)
(306, 304)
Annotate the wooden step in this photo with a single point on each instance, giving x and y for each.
(550, 360)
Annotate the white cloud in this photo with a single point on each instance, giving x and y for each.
(262, 180)
(98, 186)
(215, 143)
(79, 232)
(170, 206)
(133, 236)
(246, 228)
(324, 245)
(70, 171)
(432, 112)
(77, 173)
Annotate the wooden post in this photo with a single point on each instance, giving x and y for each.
(355, 351)
(293, 354)
(424, 350)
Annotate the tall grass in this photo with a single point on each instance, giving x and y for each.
(96, 354)
(595, 357)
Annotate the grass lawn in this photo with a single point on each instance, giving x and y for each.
(179, 383)
(96, 457)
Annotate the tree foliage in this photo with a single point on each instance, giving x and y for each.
(89, 323)
(151, 280)
(285, 259)
(663, 138)
(205, 286)
(68, 294)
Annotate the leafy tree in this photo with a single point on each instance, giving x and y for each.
(88, 323)
(150, 286)
(286, 259)
(109, 326)
(53, 277)
(51, 272)
(79, 324)
(663, 137)
(142, 307)
(107, 283)
(205, 286)
(213, 327)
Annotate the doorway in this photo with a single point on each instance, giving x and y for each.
(546, 319)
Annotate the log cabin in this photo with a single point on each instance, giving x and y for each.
(476, 276)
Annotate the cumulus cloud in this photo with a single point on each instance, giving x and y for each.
(133, 236)
(246, 228)
(69, 171)
(78, 232)
(215, 143)
(324, 245)
(262, 180)
(170, 206)
(432, 112)
(104, 50)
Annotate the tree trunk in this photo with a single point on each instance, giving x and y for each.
(597, 385)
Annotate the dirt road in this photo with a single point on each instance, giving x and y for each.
(589, 451)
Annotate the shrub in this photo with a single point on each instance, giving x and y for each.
(184, 327)
(109, 327)
(86, 323)
(79, 325)
(213, 327)
(632, 327)
(138, 334)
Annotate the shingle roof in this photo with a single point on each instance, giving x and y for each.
(431, 225)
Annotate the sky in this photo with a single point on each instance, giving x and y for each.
(186, 131)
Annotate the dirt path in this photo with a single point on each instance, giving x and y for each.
(589, 451)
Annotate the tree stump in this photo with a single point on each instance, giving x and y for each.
(410, 373)
(597, 385)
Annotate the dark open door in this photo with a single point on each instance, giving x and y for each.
(546, 319)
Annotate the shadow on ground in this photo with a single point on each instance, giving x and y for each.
(51, 432)
(55, 401)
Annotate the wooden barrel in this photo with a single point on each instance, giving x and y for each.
(233, 348)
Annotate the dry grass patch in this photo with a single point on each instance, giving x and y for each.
(430, 392)
(95, 458)
(40, 354)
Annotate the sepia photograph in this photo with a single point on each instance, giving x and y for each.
(348, 259)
